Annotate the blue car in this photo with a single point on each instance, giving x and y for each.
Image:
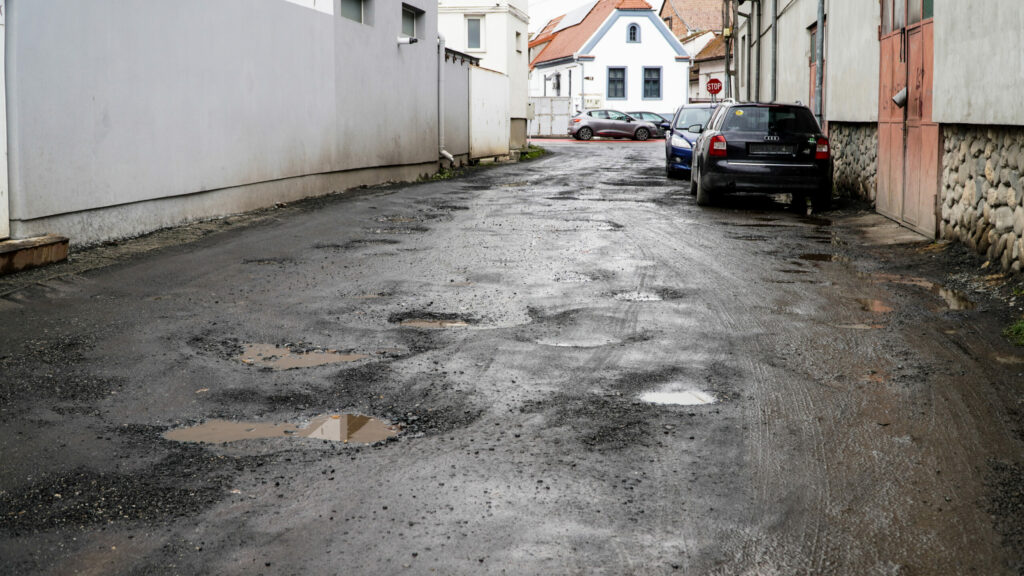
(679, 137)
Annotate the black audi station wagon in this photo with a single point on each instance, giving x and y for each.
(763, 148)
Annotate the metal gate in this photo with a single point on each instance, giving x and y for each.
(551, 115)
(908, 140)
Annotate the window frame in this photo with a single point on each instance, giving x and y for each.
(409, 11)
(661, 88)
(633, 27)
(608, 83)
(362, 10)
(479, 18)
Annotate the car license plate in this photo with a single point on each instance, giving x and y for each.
(771, 148)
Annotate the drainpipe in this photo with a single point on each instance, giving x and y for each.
(775, 50)
(757, 71)
(440, 99)
(819, 63)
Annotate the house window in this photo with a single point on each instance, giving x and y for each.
(652, 83)
(474, 33)
(352, 9)
(410, 20)
(616, 83)
(633, 33)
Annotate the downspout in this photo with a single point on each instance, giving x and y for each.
(775, 50)
(819, 63)
(440, 99)
(757, 71)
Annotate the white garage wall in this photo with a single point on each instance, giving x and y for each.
(114, 102)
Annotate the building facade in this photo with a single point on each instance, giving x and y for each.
(496, 33)
(128, 116)
(918, 125)
(611, 54)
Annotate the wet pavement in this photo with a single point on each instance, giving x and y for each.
(556, 367)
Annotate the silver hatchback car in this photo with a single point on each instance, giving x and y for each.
(610, 123)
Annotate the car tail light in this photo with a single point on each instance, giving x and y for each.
(718, 146)
(822, 151)
(575, 119)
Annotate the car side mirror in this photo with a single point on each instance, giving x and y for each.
(628, 119)
(664, 126)
(695, 129)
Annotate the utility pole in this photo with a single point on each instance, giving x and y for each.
(819, 63)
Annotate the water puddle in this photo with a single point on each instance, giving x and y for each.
(277, 358)
(1010, 360)
(579, 342)
(433, 324)
(954, 299)
(637, 297)
(335, 427)
(876, 306)
(688, 398)
(861, 326)
(824, 258)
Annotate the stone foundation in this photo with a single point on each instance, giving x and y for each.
(982, 191)
(855, 158)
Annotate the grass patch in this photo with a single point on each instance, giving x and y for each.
(445, 174)
(1016, 332)
(1017, 291)
(532, 152)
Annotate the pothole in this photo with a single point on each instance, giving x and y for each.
(277, 358)
(876, 306)
(683, 398)
(431, 320)
(583, 341)
(573, 278)
(335, 427)
(824, 258)
(637, 297)
(954, 299)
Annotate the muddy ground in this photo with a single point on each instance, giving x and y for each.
(509, 324)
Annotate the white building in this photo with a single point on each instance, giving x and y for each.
(496, 33)
(610, 54)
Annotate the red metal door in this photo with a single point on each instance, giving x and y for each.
(908, 140)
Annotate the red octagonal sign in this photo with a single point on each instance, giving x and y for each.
(714, 86)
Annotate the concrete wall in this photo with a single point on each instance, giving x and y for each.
(5, 224)
(116, 102)
(979, 62)
(488, 114)
(852, 61)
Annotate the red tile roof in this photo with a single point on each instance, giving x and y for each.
(713, 51)
(564, 43)
(633, 5)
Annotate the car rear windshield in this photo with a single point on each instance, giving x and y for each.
(690, 116)
(774, 119)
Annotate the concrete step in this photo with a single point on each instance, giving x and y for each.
(18, 255)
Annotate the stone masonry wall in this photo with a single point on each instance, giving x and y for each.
(855, 158)
(983, 191)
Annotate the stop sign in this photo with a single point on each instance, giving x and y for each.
(714, 86)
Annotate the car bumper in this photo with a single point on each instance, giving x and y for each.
(678, 159)
(751, 176)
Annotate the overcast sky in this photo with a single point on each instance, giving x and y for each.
(543, 10)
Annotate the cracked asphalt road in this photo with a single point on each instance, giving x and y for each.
(867, 414)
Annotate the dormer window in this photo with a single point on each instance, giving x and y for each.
(633, 33)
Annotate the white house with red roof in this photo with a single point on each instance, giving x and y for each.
(610, 54)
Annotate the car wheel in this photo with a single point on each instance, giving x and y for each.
(799, 203)
(641, 134)
(822, 200)
(584, 133)
(703, 197)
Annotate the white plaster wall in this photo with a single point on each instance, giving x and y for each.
(708, 70)
(851, 69)
(114, 102)
(651, 51)
(456, 107)
(979, 62)
(488, 113)
(325, 6)
(794, 51)
(5, 223)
